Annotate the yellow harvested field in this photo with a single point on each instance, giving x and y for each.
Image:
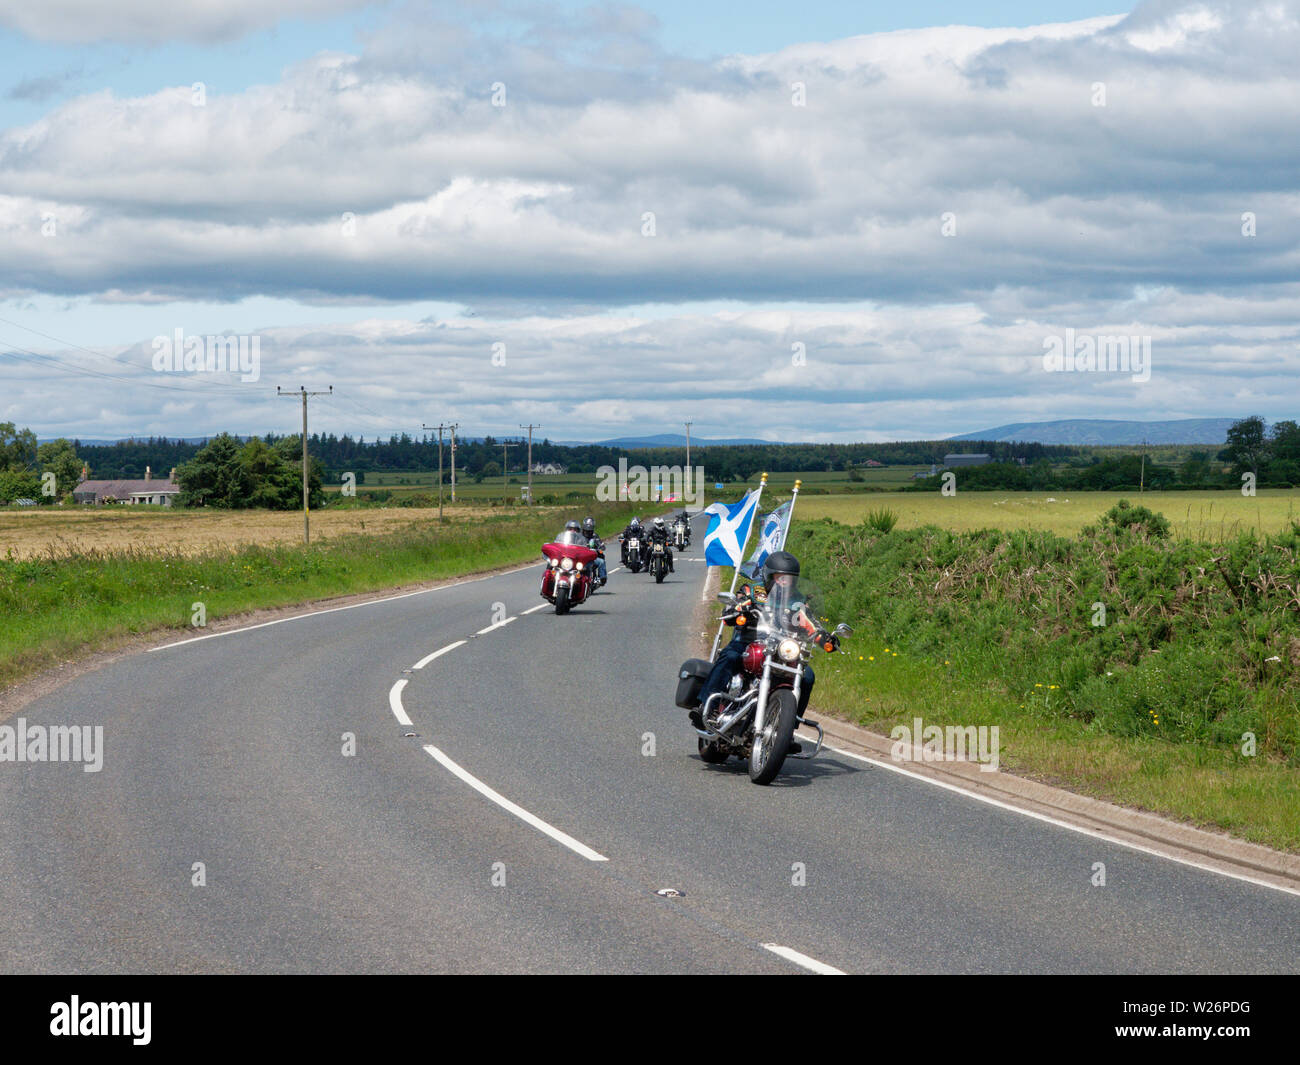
(1196, 515)
(62, 530)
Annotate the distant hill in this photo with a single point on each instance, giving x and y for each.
(1101, 432)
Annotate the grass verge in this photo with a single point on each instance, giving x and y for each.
(1154, 709)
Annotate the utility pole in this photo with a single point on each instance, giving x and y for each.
(505, 469)
(440, 428)
(453, 429)
(530, 429)
(686, 473)
(306, 528)
(1142, 484)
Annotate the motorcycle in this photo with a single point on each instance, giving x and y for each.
(633, 551)
(598, 545)
(755, 718)
(681, 534)
(568, 579)
(658, 562)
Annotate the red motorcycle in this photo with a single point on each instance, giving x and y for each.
(569, 578)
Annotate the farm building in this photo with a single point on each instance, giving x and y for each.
(966, 460)
(149, 491)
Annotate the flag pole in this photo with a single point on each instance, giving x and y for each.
(735, 573)
(789, 518)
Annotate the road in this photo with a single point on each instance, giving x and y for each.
(398, 857)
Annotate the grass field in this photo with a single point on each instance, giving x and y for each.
(29, 532)
(1194, 515)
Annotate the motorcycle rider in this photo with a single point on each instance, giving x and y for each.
(779, 592)
(659, 535)
(572, 535)
(597, 545)
(633, 529)
(685, 519)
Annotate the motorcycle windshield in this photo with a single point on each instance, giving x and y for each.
(785, 604)
(577, 552)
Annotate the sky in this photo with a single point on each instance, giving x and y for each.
(829, 221)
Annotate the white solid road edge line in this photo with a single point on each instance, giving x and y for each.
(811, 964)
(560, 837)
(1060, 823)
(335, 609)
(441, 651)
(395, 703)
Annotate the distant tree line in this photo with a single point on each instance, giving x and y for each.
(1270, 455)
(340, 454)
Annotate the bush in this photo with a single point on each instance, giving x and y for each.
(1124, 516)
(882, 519)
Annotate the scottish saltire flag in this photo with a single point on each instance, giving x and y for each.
(729, 525)
(772, 538)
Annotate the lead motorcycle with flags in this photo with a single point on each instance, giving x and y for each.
(755, 718)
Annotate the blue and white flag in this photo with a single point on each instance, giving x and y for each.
(728, 532)
(772, 538)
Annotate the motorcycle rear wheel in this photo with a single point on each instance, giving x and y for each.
(768, 752)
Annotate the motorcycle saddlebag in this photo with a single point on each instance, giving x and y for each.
(690, 679)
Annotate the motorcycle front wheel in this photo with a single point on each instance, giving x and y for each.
(767, 755)
(660, 572)
(562, 599)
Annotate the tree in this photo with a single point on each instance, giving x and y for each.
(214, 477)
(17, 447)
(1247, 447)
(18, 484)
(60, 458)
(1196, 470)
(1284, 444)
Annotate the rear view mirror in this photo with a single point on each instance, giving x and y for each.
(843, 630)
(727, 597)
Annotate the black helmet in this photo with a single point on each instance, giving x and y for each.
(636, 522)
(779, 562)
(589, 527)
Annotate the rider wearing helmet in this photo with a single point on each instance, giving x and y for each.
(659, 535)
(572, 535)
(779, 593)
(597, 545)
(633, 529)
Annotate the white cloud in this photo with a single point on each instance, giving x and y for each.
(1067, 215)
(153, 21)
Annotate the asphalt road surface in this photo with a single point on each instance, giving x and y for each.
(550, 790)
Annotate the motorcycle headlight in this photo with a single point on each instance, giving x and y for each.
(788, 650)
(579, 565)
(566, 563)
